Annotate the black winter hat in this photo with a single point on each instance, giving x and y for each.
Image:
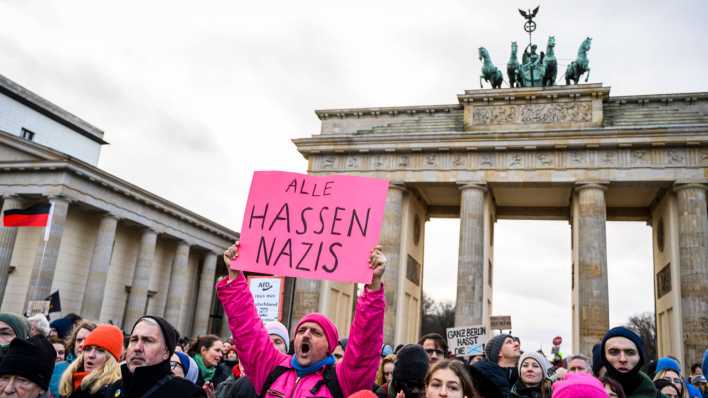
(411, 367)
(493, 346)
(621, 331)
(168, 331)
(32, 359)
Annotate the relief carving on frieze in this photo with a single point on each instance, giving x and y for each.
(557, 112)
(353, 162)
(430, 160)
(486, 159)
(675, 156)
(515, 160)
(403, 161)
(328, 162)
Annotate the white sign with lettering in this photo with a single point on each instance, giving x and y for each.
(267, 294)
(466, 340)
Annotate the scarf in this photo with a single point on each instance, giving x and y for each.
(306, 370)
(77, 378)
(207, 373)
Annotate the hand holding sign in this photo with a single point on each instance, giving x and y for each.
(377, 262)
(230, 254)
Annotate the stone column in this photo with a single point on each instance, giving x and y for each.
(7, 243)
(98, 271)
(469, 307)
(693, 269)
(593, 301)
(306, 300)
(141, 279)
(176, 309)
(392, 240)
(206, 294)
(45, 262)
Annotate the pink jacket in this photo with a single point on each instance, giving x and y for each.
(259, 357)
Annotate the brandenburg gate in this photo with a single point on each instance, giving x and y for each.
(571, 152)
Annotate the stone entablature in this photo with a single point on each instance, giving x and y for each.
(524, 159)
(533, 108)
(55, 174)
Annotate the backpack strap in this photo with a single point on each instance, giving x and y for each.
(272, 377)
(329, 379)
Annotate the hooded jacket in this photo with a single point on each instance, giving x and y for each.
(259, 357)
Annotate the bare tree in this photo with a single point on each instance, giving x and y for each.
(437, 316)
(644, 325)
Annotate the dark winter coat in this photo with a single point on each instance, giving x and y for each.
(108, 391)
(221, 373)
(489, 379)
(236, 388)
(645, 389)
(519, 390)
(136, 384)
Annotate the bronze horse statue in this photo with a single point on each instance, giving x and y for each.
(550, 63)
(512, 67)
(581, 64)
(490, 73)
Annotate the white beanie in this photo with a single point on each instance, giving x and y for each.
(278, 329)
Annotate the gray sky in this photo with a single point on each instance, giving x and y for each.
(195, 96)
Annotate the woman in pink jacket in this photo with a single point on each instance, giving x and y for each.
(311, 371)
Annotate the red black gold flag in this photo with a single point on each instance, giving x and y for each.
(33, 216)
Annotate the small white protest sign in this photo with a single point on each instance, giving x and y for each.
(466, 340)
(267, 295)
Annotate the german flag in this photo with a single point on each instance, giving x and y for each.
(33, 216)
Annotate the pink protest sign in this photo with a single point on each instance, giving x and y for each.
(314, 227)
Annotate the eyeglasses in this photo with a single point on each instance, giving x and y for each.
(175, 364)
(673, 380)
(431, 351)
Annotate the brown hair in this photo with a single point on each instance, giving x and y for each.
(458, 368)
(614, 386)
(71, 341)
(200, 342)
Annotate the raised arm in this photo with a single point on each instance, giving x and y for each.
(251, 340)
(357, 371)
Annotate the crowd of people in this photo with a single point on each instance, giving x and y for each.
(74, 357)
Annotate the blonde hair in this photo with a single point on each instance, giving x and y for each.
(380, 379)
(662, 374)
(107, 374)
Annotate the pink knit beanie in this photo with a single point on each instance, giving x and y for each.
(327, 326)
(579, 385)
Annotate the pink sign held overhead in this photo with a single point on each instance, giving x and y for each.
(314, 227)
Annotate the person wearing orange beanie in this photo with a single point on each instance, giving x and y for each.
(96, 371)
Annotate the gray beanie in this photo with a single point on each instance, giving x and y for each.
(493, 346)
(540, 359)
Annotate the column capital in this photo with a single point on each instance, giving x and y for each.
(60, 198)
(399, 185)
(581, 185)
(679, 186)
(465, 185)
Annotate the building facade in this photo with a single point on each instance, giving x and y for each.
(113, 250)
(570, 153)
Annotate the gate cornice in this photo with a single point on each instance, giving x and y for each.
(679, 135)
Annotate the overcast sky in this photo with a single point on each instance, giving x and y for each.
(195, 96)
